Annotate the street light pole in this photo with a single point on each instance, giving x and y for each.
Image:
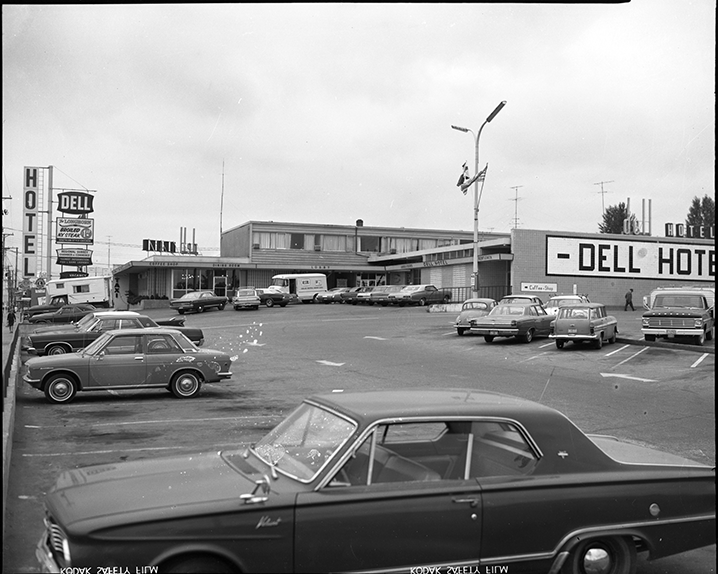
(475, 271)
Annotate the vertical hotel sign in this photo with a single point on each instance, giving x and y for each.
(30, 218)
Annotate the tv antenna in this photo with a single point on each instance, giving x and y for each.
(516, 204)
(603, 193)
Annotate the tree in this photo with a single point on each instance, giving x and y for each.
(702, 212)
(613, 219)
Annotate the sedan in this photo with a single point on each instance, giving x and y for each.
(198, 301)
(57, 341)
(520, 298)
(472, 309)
(584, 322)
(388, 481)
(523, 321)
(129, 359)
(246, 299)
(419, 295)
(380, 296)
(65, 314)
(332, 296)
(554, 303)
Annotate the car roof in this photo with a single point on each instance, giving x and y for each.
(567, 297)
(147, 331)
(402, 403)
(585, 306)
(480, 300)
(115, 314)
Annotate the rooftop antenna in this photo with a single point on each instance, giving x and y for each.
(516, 205)
(603, 194)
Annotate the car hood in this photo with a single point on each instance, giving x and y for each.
(71, 328)
(697, 313)
(112, 494)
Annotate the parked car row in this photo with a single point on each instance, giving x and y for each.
(564, 318)
(385, 295)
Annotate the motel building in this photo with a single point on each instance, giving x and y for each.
(539, 262)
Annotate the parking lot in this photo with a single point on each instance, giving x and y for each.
(657, 395)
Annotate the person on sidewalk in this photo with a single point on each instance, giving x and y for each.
(11, 318)
(629, 301)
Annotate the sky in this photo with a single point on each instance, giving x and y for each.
(208, 116)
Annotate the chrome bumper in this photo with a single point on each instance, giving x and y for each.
(44, 556)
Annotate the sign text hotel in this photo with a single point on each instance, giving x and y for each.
(629, 258)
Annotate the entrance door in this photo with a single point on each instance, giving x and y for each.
(219, 285)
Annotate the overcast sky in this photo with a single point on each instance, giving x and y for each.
(329, 113)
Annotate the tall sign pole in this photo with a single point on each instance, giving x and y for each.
(49, 223)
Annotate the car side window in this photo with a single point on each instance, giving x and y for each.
(129, 324)
(124, 345)
(107, 325)
(161, 345)
(408, 452)
(500, 449)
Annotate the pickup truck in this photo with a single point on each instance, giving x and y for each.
(55, 303)
(676, 312)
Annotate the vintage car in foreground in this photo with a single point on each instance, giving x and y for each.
(246, 299)
(270, 298)
(521, 320)
(129, 359)
(65, 314)
(389, 481)
(198, 301)
(61, 340)
(419, 295)
(471, 309)
(579, 322)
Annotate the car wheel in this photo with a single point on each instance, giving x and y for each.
(700, 339)
(612, 339)
(269, 303)
(446, 298)
(602, 556)
(422, 302)
(649, 337)
(56, 350)
(200, 309)
(282, 305)
(60, 389)
(460, 330)
(709, 334)
(190, 564)
(488, 338)
(185, 385)
(559, 344)
(599, 342)
(180, 311)
(529, 336)
(221, 307)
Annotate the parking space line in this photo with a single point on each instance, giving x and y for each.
(631, 357)
(617, 350)
(700, 360)
(546, 345)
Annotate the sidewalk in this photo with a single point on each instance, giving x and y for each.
(8, 418)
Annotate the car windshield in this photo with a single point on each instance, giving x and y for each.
(86, 322)
(302, 443)
(687, 302)
(97, 344)
(570, 312)
(413, 288)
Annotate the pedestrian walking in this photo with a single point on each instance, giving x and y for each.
(629, 300)
(11, 319)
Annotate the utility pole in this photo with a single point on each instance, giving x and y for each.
(603, 194)
(516, 205)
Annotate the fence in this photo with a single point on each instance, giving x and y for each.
(461, 294)
(8, 352)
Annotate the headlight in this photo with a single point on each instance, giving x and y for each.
(644, 322)
(699, 323)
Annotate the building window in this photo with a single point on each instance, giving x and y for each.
(334, 243)
(297, 241)
(369, 243)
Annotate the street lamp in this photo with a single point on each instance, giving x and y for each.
(475, 274)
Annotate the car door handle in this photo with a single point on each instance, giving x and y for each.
(473, 502)
(140, 358)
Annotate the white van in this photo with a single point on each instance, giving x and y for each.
(304, 285)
